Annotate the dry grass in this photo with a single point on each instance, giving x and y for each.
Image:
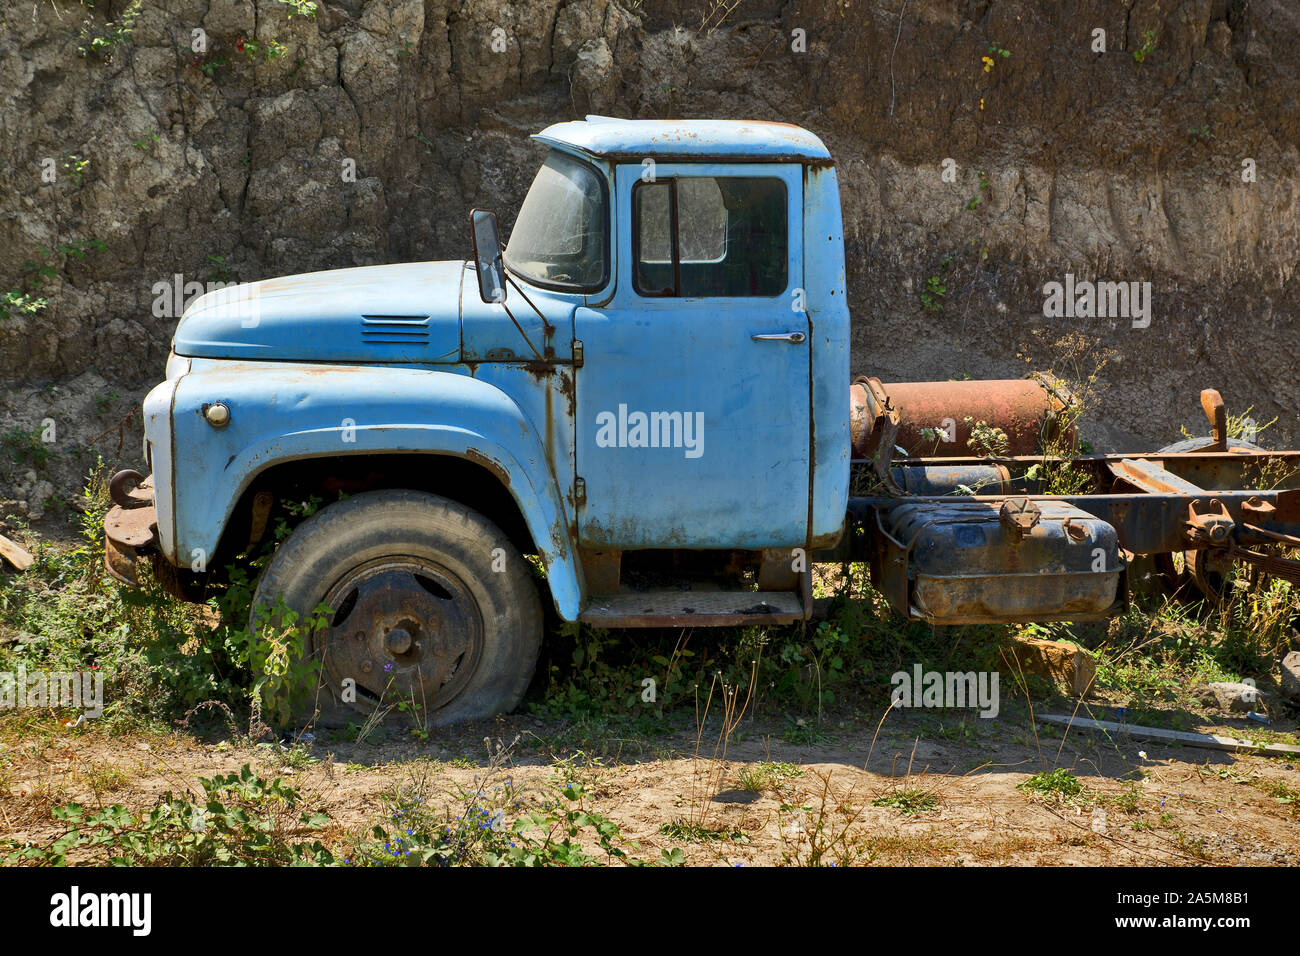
(1176, 807)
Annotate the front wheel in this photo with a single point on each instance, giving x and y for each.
(422, 604)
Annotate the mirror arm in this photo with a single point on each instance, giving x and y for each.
(521, 330)
(550, 329)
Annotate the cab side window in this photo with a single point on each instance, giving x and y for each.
(705, 236)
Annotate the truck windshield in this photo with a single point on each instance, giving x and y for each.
(561, 236)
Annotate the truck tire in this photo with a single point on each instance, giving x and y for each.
(1205, 570)
(429, 604)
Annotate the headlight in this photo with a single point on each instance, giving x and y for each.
(177, 365)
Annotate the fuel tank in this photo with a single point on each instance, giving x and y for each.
(983, 562)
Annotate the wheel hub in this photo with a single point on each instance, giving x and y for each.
(405, 630)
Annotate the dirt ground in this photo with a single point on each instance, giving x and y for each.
(1143, 804)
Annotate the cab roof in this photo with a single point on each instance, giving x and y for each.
(738, 140)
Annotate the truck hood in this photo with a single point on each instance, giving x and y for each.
(407, 312)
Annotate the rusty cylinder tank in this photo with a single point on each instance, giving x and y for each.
(935, 418)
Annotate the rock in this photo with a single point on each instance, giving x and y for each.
(1202, 694)
(595, 84)
(1291, 676)
(38, 498)
(1236, 697)
(1065, 664)
(230, 18)
(1219, 39)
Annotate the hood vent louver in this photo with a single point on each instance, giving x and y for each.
(394, 329)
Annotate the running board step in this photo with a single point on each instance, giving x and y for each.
(673, 608)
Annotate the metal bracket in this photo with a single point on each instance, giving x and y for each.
(1019, 516)
(1217, 413)
(1209, 522)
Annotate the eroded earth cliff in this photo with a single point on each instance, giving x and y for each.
(128, 158)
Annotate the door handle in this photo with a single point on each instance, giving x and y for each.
(794, 338)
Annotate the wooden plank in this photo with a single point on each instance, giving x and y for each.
(15, 554)
(1159, 735)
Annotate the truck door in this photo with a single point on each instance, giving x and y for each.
(693, 399)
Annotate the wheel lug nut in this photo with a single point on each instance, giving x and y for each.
(398, 641)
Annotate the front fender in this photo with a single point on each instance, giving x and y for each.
(285, 413)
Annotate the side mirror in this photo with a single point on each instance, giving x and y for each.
(487, 255)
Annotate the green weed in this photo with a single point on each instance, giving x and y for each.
(241, 820)
(1060, 782)
(908, 801)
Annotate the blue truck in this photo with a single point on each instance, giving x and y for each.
(640, 410)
